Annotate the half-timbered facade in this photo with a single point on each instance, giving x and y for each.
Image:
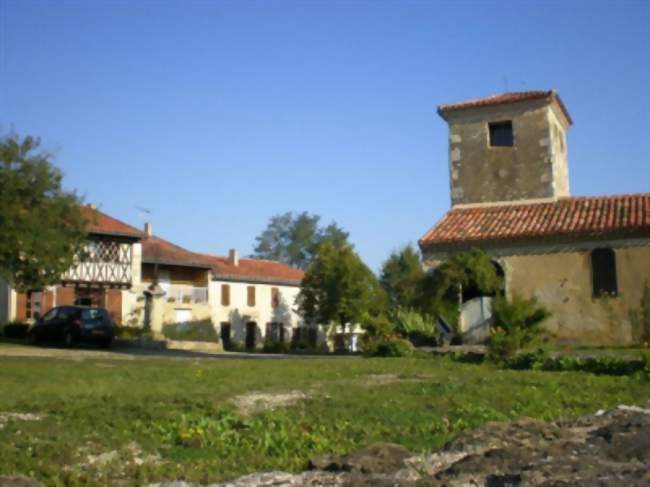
(103, 274)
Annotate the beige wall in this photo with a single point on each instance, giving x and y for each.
(535, 167)
(562, 280)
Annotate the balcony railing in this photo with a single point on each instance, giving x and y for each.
(186, 294)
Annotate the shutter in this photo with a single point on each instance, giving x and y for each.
(225, 295)
(251, 295)
(275, 297)
(65, 296)
(47, 301)
(113, 304)
(21, 306)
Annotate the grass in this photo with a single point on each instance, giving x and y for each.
(180, 410)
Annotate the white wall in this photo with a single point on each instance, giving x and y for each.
(238, 313)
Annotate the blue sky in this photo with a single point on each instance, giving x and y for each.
(217, 115)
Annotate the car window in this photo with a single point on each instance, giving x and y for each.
(92, 314)
(64, 313)
(50, 315)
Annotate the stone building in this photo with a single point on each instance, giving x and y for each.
(585, 258)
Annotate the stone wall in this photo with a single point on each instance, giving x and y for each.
(560, 277)
(535, 167)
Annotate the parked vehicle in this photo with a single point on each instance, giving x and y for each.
(73, 324)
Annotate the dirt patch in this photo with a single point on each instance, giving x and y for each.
(6, 417)
(257, 402)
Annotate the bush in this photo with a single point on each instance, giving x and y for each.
(516, 324)
(129, 332)
(15, 330)
(640, 317)
(271, 346)
(198, 331)
(419, 328)
(540, 360)
(392, 348)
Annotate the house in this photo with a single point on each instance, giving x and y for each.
(585, 258)
(103, 275)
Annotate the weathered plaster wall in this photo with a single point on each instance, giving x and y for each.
(533, 168)
(562, 281)
(238, 313)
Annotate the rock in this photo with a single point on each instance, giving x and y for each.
(377, 458)
(18, 481)
(609, 448)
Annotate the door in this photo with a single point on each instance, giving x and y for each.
(251, 332)
(225, 335)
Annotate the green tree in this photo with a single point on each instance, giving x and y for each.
(400, 277)
(294, 238)
(441, 289)
(42, 225)
(338, 288)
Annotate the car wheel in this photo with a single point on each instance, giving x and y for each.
(68, 338)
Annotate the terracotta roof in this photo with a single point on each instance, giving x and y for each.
(156, 250)
(254, 269)
(578, 216)
(502, 99)
(102, 224)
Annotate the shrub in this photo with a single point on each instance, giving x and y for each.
(419, 328)
(129, 332)
(392, 348)
(271, 346)
(516, 324)
(15, 329)
(199, 331)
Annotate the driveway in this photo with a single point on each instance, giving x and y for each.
(133, 353)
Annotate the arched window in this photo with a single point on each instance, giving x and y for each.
(603, 271)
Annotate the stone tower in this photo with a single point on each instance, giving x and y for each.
(508, 147)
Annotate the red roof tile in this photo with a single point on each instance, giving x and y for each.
(255, 269)
(502, 99)
(579, 216)
(102, 224)
(156, 250)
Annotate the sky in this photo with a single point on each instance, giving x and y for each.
(217, 115)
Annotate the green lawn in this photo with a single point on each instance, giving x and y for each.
(172, 418)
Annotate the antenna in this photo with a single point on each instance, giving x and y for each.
(144, 212)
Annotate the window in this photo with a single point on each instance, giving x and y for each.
(275, 297)
(501, 134)
(603, 269)
(275, 331)
(225, 295)
(251, 295)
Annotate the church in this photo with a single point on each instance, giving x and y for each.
(585, 258)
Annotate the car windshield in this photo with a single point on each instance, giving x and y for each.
(93, 315)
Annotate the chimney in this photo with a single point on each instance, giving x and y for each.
(233, 257)
(147, 229)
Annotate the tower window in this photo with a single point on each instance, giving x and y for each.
(603, 269)
(501, 134)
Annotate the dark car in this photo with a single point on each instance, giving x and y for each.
(74, 324)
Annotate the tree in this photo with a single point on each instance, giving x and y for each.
(42, 225)
(464, 274)
(294, 239)
(400, 277)
(339, 288)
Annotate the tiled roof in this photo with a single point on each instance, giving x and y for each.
(102, 224)
(502, 99)
(160, 251)
(156, 250)
(254, 269)
(572, 217)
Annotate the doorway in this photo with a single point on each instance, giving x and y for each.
(225, 335)
(251, 335)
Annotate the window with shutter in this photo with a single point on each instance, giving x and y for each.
(225, 295)
(603, 270)
(251, 295)
(275, 297)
